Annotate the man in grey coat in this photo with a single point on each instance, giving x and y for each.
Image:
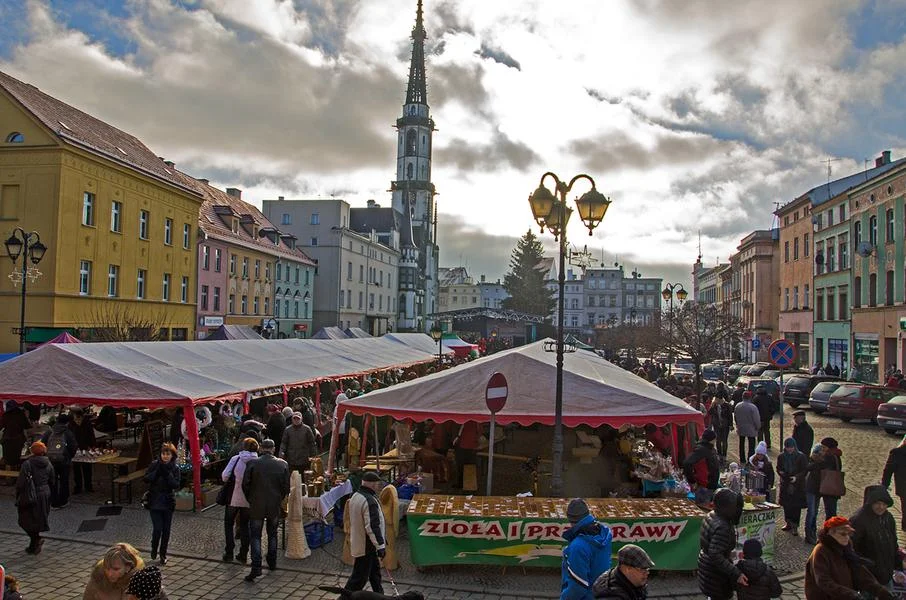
(265, 484)
(298, 445)
(748, 422)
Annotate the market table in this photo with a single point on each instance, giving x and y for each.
(113, 462)
(503, 530)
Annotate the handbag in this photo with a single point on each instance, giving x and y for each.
(832, 483)
(226, 491)
(29, 495)
(146, 500)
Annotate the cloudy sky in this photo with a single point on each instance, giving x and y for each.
(693, 115)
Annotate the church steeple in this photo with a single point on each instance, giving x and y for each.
(417, 92)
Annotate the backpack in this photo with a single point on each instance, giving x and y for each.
(56, 446)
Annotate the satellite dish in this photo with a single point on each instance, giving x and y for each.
(819, 258)
(865, 249)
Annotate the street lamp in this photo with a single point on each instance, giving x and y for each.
(633, 350)
(21, 244)
(550, 210)
(437, 334)
(667, 295)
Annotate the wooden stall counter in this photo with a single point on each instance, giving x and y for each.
(503, 530)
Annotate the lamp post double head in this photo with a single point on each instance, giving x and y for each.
(437, 334)
(550, 210)
(30, 248)
(681, 294)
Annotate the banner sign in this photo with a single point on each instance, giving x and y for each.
(759, 524)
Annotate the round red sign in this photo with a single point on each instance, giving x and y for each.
(496, 392)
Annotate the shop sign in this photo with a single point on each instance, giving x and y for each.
(672, 544)
(758, 525)
(212, 321)
(300, 327)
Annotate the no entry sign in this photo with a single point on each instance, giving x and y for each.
(496, 392)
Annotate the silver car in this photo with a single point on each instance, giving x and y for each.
(820, 395)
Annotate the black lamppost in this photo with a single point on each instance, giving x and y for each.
(25, 245)
(550, 210)
(437, 334)
(634, 351)
(667, 295)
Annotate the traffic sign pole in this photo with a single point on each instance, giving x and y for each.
(782, 355)
(491, 455)
(495, 395)
(782, 402)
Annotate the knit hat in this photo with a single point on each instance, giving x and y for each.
(709, 435)
(287, 412)
(633, 556)
(799, 413)
(835, 522)
(817, 448)
(576, 510)
(829, 442)
(761, 448)
(751, 549)
(790, 443)
(145, 584)
(39, 449)
(371, 477)
(267, 445)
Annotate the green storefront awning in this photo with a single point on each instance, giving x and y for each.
(39, 335)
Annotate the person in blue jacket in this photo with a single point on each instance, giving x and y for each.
(587, 553)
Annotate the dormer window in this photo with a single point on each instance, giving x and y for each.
(15, 138)
(234, 225)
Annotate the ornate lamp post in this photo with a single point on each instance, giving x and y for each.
(667, 295)
(25, 245)
(550, 210)
(437, 334)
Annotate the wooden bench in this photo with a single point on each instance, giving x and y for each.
(9, 473)
(126, 480)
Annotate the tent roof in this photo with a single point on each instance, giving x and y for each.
(233, 332)
(357, 332)
(330, 333)
(595, 392)
(154, 374)
(64, 338)
(417, 341)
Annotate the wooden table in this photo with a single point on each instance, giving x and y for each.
(113, 464)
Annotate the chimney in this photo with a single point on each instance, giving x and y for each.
(280, 198)
(886, 156)
(373, 204)
(482, 279)
(234, 192)
(169, 163)
(204, 181)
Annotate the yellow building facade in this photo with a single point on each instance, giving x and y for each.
(119, 223)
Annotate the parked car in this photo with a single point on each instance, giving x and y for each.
(758, 368)
(772, 373)
(754, 383)
(713, 371)
(796, 389)
(892, 415)
(733, 371)
(858, 401)
(820, 395)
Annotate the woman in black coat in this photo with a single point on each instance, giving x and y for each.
(792, 467)
(14, 423)
(896, 469)
(717, 575)
(33, 515)
(163, 477)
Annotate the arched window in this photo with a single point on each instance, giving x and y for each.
(411, 142)
(873, 230)
(15, 138)
(857, 232)
(409, 171)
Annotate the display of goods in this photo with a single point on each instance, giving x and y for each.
(95, 455)
(550, 508)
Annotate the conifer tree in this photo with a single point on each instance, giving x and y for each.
(525, 281)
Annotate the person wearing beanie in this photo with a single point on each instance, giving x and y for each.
(287, 413)
(895, 469)
(717, 575)
(33, 510)
(702, 467)
(265, 484)
(629, 579)
(763, 582)
(61, 448)
(587, 552)
(875, 536)
(760, 463)
(146, 584)
(835, 572)
(299, 445)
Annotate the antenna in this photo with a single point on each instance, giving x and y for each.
(699, 245)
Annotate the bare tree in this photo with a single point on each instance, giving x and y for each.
(116, 321)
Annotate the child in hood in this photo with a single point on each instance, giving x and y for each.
(763, 582)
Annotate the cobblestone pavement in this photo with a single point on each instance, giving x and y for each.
(195, 571)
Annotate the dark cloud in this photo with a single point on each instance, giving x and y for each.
(459, 83)
(601, 97)
(498, 56)
(499, 153)
(617, 151)
(329, 21)
(444, 18)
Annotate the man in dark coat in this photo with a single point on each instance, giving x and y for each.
(803, 432)
(717, 575)
(275, 426)
(875, 537)
(765, 405)
(61, 447)
(265, 484)
(298, 445)
(83, 430)
(14, 423)
(629, 579)
(702, 467)
(792, 468)
(896, 468)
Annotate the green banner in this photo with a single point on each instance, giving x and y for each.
(758, 524)
(537, 542)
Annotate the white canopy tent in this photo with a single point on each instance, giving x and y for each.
(595, 392)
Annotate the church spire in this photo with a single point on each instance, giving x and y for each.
(417, 91)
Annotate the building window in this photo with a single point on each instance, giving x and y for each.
(842, 212)
(217, 254)
(786, 251)
(245, 267)
(819, 305)
(831, 306)
(140, 284)
(279, 270)
(185, 236)
(843, 252)
(857, 233)
(257, 269)
(348, 271)
(255, 305)
(286, 219)
(216, 298)
(267, 271)
(184, 290)
(286, 310)
(361, 300)
(245, 305)
(296, 309)
(168, 231)
(232, 265)
(361, 273)
(297, 276)
(165, 289)
(143, 218)
(830, 217)
(888, 292)
(15, 138)
(806, 249)
(786, 298)
(315, 219)
(314, 241)
(113, 275)
(204, 297)
(267, 305)
(889, 238)
(796, 249)
(806, 299)
(857, 292)
(873, 289)
(231, 304)
(84, 277)
(276, 307)
(844, 307)
(116, 211)
(873, 230)
(829, 255)
(342, 297)
(88, 209)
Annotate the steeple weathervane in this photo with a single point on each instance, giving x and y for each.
(417, 91)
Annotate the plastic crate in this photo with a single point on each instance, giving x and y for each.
(318, 534)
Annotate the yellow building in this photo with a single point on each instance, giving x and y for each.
(118, 221)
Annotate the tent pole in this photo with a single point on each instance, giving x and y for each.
(246, 400)
(364, 451)
(675, 445)
(377, 451)
(334, 439)
(195, 451)
(285, 395)
(318, 402)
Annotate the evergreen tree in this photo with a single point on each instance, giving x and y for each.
(525, 281)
